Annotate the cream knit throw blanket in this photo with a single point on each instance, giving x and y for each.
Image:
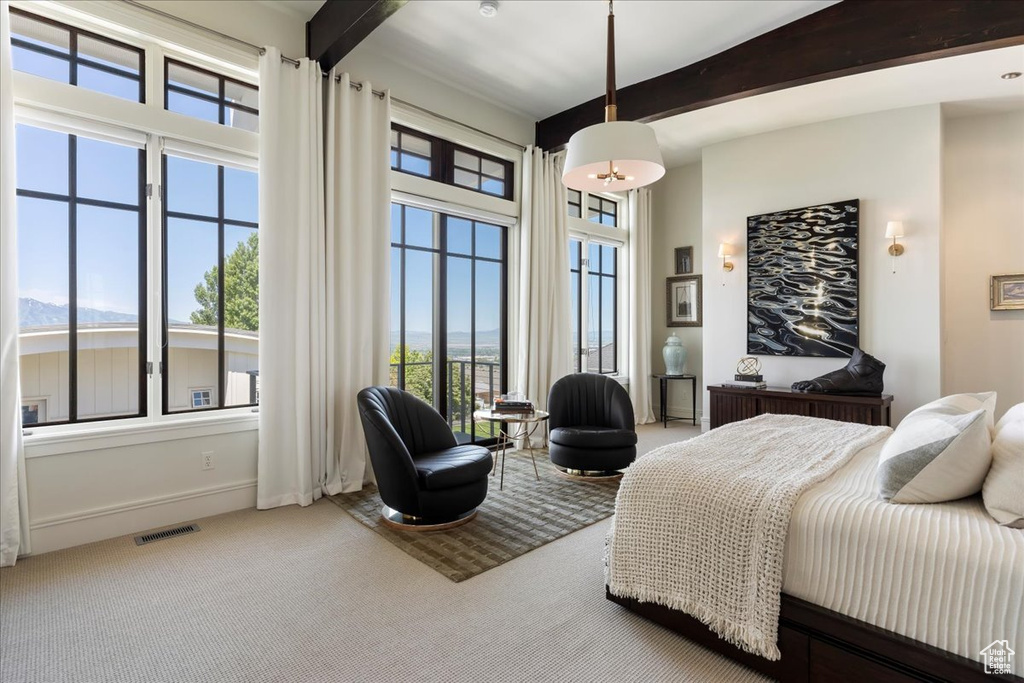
(700, 526)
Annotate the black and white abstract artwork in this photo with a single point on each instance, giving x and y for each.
(802, 281)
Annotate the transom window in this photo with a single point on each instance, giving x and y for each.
(603, 211)
(432, 157)
(209, 96)
(575, 203)
(59, 52)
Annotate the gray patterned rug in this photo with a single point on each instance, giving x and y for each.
(525, 515)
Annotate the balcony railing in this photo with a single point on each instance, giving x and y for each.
(463, 396)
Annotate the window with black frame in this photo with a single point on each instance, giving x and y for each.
(210, 96)
(448, 309)
(594, 305)
(211, 285)
(49, 49)
(81, 277)
(428, 156)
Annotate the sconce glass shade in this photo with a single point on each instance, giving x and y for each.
(893, 229)
(725, 250)
(631, 147)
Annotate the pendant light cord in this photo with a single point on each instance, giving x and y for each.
(610, 113)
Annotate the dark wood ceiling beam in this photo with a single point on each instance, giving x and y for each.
(340, 25)
(843, 39)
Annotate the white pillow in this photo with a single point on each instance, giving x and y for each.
(1012, 415)
(1003, 491)
(939, 452)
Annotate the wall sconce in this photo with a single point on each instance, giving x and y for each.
(725, 250)
(893, 231)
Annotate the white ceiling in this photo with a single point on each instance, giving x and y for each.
(303, 9)
(969, 84)
(538, 58)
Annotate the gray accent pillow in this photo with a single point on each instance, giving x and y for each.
(939, 452)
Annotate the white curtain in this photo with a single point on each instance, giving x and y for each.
(13, 500)
(358, 174)
(543, 351)
(293, 434)
(640, 304)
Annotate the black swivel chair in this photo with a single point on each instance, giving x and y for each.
(426, 480)
(593, 433)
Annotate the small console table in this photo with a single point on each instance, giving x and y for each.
(665, 417)
(732, 404)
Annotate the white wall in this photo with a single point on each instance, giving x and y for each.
(676, 222)
(891, 161)
(983, 235)
(430, 93)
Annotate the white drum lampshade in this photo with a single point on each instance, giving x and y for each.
(631, 148)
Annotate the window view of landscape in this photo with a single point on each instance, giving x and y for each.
(446, 339)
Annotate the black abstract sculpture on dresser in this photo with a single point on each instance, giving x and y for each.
(862, 376)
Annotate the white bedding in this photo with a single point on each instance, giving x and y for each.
(944, 574)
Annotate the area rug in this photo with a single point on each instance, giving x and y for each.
(525, 515)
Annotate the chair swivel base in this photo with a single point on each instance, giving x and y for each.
(397, 520)
(588, 475)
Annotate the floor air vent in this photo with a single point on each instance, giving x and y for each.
(166, 533)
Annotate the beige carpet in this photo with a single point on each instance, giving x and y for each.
(304, 594)
(523, 515)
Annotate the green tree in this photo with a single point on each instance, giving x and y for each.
(419, 380)
(241, 289)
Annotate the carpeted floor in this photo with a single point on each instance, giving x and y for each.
(303, 594)
(524, 514)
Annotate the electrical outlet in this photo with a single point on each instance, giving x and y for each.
(207, 460)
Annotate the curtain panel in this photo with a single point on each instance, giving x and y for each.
(325, 196)
(543, 351)
(14, 539)
(639, 293)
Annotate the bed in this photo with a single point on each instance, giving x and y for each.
(851, 608)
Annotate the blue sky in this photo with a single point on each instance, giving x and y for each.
(108, 238)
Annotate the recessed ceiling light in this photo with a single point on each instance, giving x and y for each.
(1008, 76)
(488, 8)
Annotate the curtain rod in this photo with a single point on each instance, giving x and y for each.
(296, 63)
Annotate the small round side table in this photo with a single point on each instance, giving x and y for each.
(518, 426)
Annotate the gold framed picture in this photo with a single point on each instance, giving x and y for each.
(1007, 292)
(683, 297)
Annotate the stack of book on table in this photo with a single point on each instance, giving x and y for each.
(747, 382)
(513, 407)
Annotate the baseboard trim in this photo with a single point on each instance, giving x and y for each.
(141, 504)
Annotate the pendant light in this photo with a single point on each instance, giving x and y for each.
(614, 155)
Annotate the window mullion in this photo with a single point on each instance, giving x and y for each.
(154, 276)
(221, 366)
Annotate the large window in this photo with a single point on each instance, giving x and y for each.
(137, 231)
(448, 286)
(81, 277)
(211, 284)
(594, 262)
(62, 53)
(432, 157)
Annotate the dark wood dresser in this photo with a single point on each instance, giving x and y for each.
(732, 404)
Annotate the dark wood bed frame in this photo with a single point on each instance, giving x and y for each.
(819, 645)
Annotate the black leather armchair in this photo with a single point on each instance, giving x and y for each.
(593, 432)
(424, 477)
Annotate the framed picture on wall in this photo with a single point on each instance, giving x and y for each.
(683, 297)
(684, 260)
(1007, 292)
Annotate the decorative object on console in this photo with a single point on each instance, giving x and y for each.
(1005, 480)
(614, 155)
(674, 354)
(1007, 292)
(684, 260)
(939, 452)
(862, 376)
(802, 281)
(748, 369)
(725, 250)
(683, 301)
